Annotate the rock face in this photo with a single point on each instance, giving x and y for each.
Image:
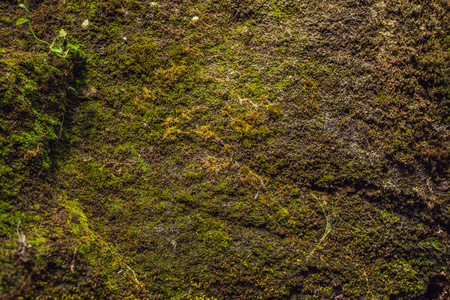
(226, 149)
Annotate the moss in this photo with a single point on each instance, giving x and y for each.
(37, 119)
(180, 162)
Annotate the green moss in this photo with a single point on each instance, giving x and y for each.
(180, 162)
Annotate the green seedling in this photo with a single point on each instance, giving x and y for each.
(60, 47)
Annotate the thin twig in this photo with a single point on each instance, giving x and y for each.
(134, 274)
(72, 265)
(328, 228)
(18, 232)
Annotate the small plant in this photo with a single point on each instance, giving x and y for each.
(60, 47)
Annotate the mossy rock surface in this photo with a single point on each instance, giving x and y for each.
(226, 149)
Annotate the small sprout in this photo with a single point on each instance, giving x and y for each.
(62, 33)
(22, 5)
(21, 21)
(60, 47)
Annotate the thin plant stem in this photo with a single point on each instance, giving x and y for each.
(32, 31)
(61, 49)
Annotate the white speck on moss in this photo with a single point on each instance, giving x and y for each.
(194, 19)
(153, 3)
(85, 24)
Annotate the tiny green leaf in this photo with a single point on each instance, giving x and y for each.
(56, 49)
(21, 5)
(21, 21)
